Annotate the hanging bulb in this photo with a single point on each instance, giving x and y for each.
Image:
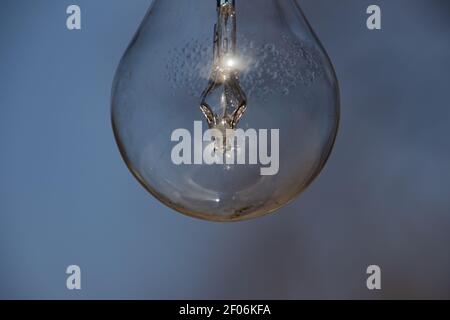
(225, 110)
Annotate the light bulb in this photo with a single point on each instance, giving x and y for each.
(225, 110)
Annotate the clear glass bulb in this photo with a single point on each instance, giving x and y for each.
(225, 109)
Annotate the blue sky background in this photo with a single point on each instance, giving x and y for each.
(66, 197)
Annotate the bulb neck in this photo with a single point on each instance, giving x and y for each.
(221, 3)
(225, 29)
(223, 101)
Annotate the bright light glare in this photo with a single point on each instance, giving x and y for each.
(230, 63)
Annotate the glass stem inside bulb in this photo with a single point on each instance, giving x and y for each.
(223, 101)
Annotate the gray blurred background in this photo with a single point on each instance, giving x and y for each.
(67, 198)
